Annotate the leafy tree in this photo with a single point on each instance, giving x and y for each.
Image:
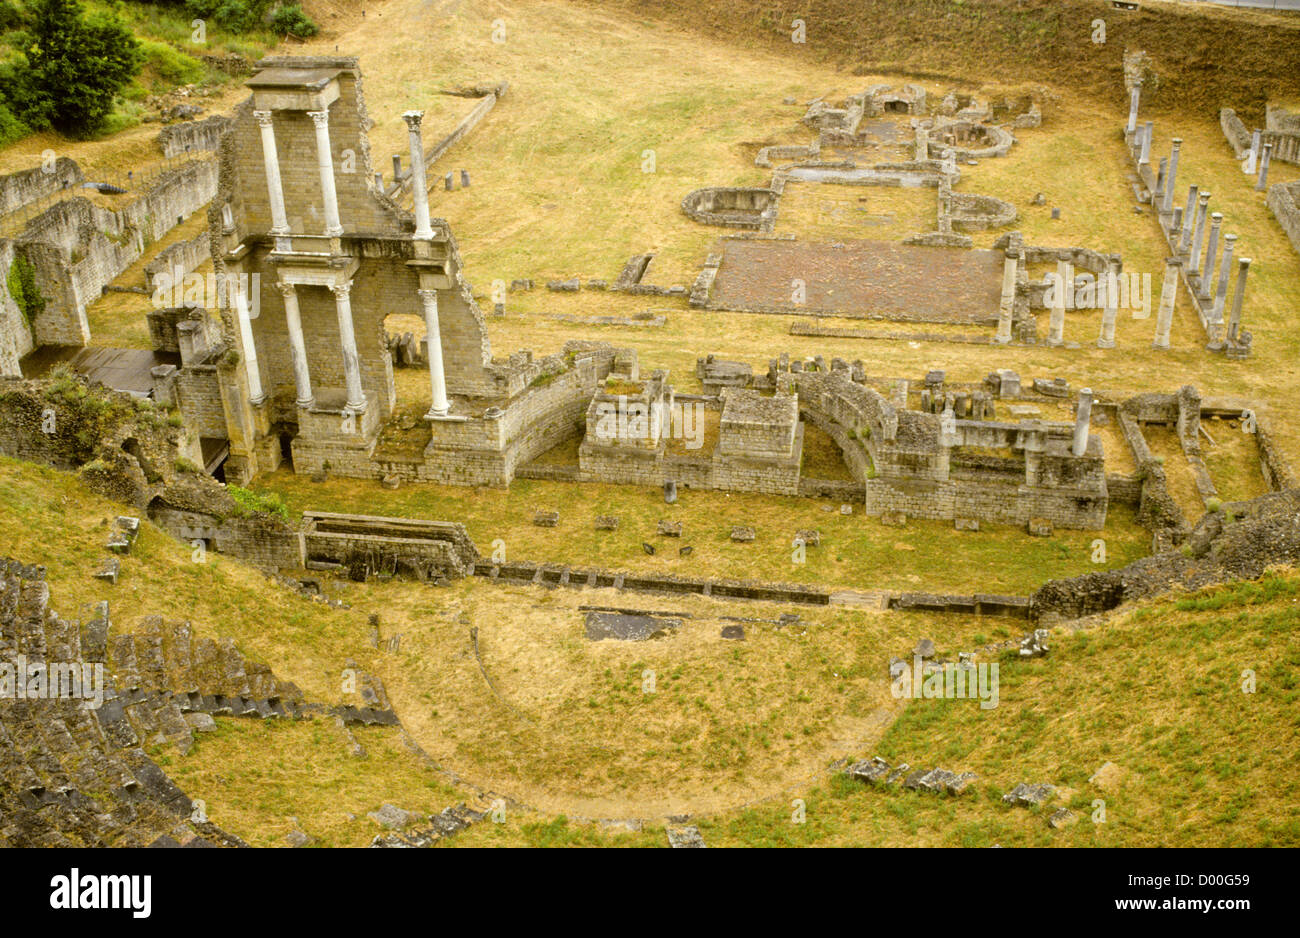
(75, 66)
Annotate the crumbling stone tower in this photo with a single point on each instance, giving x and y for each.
(321, 256)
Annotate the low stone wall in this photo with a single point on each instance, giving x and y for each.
(192, 136)
(182, 257)
(732, 207)
(30, 185)
(1286, 143)
(1284, 203)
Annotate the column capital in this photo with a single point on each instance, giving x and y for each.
(322, 118)
(1243, 262)
(263, 118)
(286, 289)
(413, 119)
(341, 290)
(427, 294)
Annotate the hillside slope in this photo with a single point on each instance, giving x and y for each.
(1204, 58)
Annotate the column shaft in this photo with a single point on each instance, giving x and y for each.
(438, 405)
(297, 344)
(251, 368)
(1172, 179)
(1211, 256)
(1082, 416)
(1111, 309)
(419, 183)
(348, 340)
(1168, 299)
(325, 160)
(1009, 267)
(1243, 265)
(274, 187)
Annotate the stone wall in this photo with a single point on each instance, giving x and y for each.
(178, 260)
(192, 136)
(78, 248)
(30, 185)
(1284, 203)
(15, 334)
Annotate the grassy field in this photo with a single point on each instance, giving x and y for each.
(1206, 765)
(855, 552)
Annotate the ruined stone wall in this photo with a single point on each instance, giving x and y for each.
(1284, 203)
(183, 256)
(198, 395)
(15, 334)
(256, 539)
(29, 185)
(192, 136)
(78, 248)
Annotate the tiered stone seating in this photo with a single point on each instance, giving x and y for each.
(71, 776)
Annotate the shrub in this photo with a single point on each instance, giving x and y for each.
(290, 20)
(249, 502)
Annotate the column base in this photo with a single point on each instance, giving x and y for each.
(1105, 343)
(434, 414)
(309, 402)
(259, 400)
(1054, 343)
(1157, 345)
(1002, 340)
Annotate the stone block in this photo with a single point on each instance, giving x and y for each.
(1039, 527)
(741, 534)
(546, 519)
(108, 569)
(669, 528)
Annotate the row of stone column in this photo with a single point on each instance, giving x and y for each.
(1187, 230)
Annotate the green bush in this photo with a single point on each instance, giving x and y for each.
(171, 65)
(11, 128)
(250, 502)
(290, 20)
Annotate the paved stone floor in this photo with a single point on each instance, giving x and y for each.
(860, 280)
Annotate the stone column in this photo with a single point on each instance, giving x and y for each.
(1252, 155)
(419, 185)
(1262, 183)
(1189, 221)
(348, 339)
(1056, 324)
(1010, 265)
(1148, 131)
(1198, 234)
(437, 379)
(1225, 271)
(1172, 178)
(1168, 298)
(1176, 227)
(1134, 97)
(255, 393)
(1111, 309)
(1082, 415)
(1211, 256)
(274, 188)
(325, 159)
(1243, 265)
(1158, 196)
(297, 345)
